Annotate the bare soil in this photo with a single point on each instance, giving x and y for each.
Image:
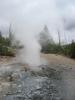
(58, 59)
(51, 58)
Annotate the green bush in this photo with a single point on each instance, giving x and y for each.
(52, 48)
(5, 46)
(6, 51)
(72, 50)
(67, 50)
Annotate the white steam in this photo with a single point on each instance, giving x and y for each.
(30, 54)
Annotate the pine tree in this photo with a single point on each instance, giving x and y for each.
(45, 37)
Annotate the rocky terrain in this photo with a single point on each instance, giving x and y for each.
(55, 81)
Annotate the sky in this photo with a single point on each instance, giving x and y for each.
(32, 15)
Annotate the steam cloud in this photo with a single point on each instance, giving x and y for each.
(29, 17)
(31, 52)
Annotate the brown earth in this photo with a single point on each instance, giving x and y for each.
(51, 58)
(58, 59)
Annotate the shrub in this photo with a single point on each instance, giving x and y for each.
(6, 47)
(68, 49)
(52, 48)
(72, 50)
(6, 51)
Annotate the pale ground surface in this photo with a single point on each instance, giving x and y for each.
(51, 58)
(58, 59)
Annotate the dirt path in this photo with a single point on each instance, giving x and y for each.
(51, 58)
(58, 59)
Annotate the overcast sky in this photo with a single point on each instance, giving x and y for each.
(32, 15)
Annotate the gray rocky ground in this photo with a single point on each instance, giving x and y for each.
(52, 82)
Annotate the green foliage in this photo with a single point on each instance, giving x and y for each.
(68, 50)
(72, 50)
(5, 46)
(4, 41)
(6, 51)
(52, 48)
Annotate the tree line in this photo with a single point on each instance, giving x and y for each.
(49, 46)
(8, 48)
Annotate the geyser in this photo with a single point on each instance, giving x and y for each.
(30, 54)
